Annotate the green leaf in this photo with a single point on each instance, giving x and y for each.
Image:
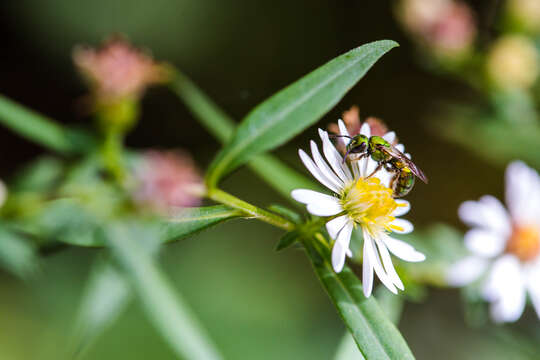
(374, 333)
(106, 296)
(36, 127)
(17, 255)
(347, 349)
(191, 220)
(278, 175)
(39, 176)
(287, 240)
(219, 124)
(65, 220)
(296, 107)
(286, 213)
(164, 306)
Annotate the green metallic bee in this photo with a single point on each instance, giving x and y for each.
(390, 158)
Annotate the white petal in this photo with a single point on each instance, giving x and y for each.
(306, 196)
(316, 172)
(334, 226)
(488, 213)
(505, 289)
(400, 147)
(523, 192)
(355, 169)
(341, 246)
(369, 166)
(402, 209)
(334, 158)
(323, 166)
(385, 176)
(484, 243)
(388, 266)
(403, 250)
(533, 285)
(367, 272)
(390, 136)
(342, 128)
(466, 270)
(365, 129)
(370, 251)
(404, 226)
(324, 209)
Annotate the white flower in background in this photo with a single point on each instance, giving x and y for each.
(359, 201)
(3, 193)
(505, 245)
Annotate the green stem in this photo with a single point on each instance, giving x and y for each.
(256, 212)
(112, 154)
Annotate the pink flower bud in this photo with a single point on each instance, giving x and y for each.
(445, 27)
(167, 179)
(117, 70)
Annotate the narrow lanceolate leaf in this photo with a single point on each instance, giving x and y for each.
(281, 177)
(296, 107)
(164, 306)
(105, 298)
(34, 126)
(17, 255)
(215, 120)
(347, 349)
(191, 220)
(107, 294)
(287, 240)
(376, 336)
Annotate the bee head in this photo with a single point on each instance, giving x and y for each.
(358, 144)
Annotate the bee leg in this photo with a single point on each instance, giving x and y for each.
(374, 171)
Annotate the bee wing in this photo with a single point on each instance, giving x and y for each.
(401, 156)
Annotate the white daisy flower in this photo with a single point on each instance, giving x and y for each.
(504, 245)
(359, 201)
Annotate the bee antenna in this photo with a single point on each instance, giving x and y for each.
(336, 136)
(346, 154)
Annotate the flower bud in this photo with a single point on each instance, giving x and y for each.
(351, 118)
(167, 179)
(117, 70)
(512, 63)
(445, 27)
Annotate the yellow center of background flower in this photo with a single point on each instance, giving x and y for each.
(369, 203)
(524, 242)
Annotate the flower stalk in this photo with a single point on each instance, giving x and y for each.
(249, 209)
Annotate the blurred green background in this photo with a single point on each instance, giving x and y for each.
(255, 303)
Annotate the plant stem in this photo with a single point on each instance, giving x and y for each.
(256, 212)
(112, 154)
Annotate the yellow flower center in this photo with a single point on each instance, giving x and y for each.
(524, 242)
(370, 204)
